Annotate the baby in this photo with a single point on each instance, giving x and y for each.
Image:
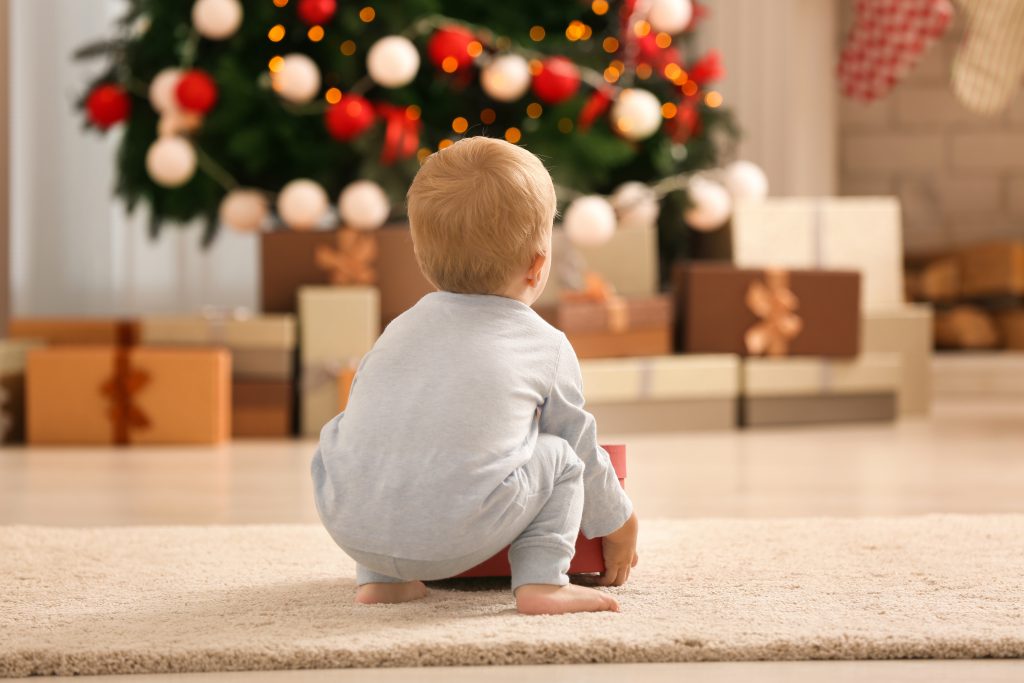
(465, 430)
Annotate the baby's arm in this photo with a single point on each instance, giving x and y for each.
(606, 507)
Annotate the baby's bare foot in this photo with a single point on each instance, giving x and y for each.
(536, 598)
(374, 593)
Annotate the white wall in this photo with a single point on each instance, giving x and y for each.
(780, 58)
(73, 251)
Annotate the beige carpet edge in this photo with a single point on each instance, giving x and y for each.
(17, 664)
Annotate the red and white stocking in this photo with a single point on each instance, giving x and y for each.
(887, 41)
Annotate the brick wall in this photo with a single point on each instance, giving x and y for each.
(959, 176)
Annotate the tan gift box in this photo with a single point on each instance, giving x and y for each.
(144, 395)
(339, 325)
(628, 262)
(662, 393)
(907, 331)
(262, 346)
(792, 391)
(831, 233)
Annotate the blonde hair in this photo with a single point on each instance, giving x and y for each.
(479, 211)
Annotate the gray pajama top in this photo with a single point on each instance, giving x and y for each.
(444, 409)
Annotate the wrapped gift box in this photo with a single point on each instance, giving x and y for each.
(628, 262)
(75, 331)
(907, 331)
(262, 347)
(290, 260)
(992, 270)
(724, 309)
(793, 391)
(400, 280)
(12, 389)
(664, 393)
(623, 326)
(338, 326)
(146, 395)
(845, 233)
(589, 557)
(262, 408)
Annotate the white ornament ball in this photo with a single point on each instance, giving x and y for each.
(244, 210)
(162, 90)
(746, 181)
(636, 114)
(171, 161)
(670, 16)
(298, 79)
(710, 207)
(217, 19)
(363, 205)
(302, 204)
(506, 78)
(636, 205)
(589, 221)
(393, 61)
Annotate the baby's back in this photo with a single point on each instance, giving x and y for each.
(443, 409)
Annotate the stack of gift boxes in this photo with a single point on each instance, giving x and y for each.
(979, 294)
(203, 378)
(806, 324)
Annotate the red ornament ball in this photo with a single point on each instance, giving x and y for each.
(314, 12)
(196, 91)
(107, 104)
(557, 80)
(349, 118)
(451, 49)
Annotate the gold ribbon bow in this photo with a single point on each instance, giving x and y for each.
(353, 262)
(598, 290)
(120, 389)
(774, 303)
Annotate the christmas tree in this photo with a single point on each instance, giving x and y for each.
(232, 111)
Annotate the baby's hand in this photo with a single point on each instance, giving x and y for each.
(620, 556)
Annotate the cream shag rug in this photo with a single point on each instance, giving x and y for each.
(162, 599)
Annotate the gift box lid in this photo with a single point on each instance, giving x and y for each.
(75, 331)
(867, 373)
(660, 378)
(241, 332)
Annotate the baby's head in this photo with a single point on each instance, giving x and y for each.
(481, 213)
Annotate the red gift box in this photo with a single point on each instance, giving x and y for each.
(588, 559)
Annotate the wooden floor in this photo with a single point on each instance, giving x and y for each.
(968, 457)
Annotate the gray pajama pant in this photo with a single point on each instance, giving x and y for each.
(542, 533)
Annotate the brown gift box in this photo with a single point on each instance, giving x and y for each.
(624, 326)
(716, 311)
(995, 269)
(262, 408)
(106, 394)
(289, 261)
(75, 330)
